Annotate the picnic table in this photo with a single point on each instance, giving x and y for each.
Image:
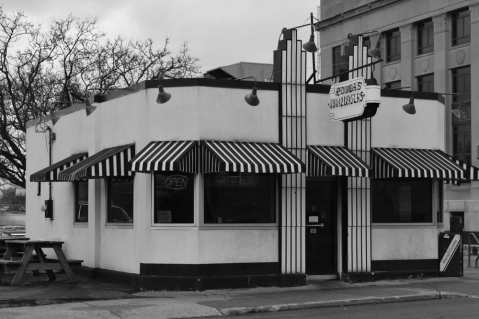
(37, 262)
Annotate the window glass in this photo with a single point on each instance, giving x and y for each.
(393, 85)
(461, 113)
(174, 198)
(340, 63)
(402, 201)
(81, 202)
(240, 198)
(461, 27)
(120, 200)
(425, 83)
(393, 45)
(425, 37)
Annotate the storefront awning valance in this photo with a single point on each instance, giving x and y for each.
(164, 156)
(414, 163)
(247, 157)
(113, 161)
(471, 172)
(335, 161)
(50, 173)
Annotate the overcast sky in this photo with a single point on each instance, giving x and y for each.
(219, 32)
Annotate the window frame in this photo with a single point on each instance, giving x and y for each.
(175, 225)
(342, 75)
(424, 27)
(205, 225)
(420, 78)
(76, 204)
(462, 15)
(108, 201)
(387, 85)
(433, 213)
(390, 35)
(464, 100)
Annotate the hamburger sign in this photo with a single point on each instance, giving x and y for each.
(349, 99)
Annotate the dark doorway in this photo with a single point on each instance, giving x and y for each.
(321, 204)
(456, 222)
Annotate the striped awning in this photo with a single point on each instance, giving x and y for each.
(161, 156)
(414, 163)
(247, 157)
(113, 161)
(335, 161)
(50, 173)
(471, 172)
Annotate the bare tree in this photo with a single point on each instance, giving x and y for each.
(45, 69)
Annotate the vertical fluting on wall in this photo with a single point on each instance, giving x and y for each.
(290, 71)
(358, 139)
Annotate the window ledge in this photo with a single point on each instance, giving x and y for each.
(425, 54)
(391, 63)
(80, 224)
(403, 225)
(238, 226)
(173, 226)
(119, 225)
(460, 45)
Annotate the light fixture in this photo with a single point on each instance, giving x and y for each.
(310, 46)
(54, 118)
(89, 109)
(252, 98)
(376, 51)
(163, 96)
(410, 108)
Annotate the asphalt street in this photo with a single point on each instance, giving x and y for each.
(456, 308)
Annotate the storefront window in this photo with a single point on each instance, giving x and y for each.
(174, 198)
(402, 201)
(120, 200)
(81, 202)
(240, 198)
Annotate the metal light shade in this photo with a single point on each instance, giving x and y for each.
(410, 108)
(310, 46)
(252, 98)
(376, 51)
(89, 109)
(163, 96)
(54, 118)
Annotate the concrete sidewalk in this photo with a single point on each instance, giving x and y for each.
(92, 301)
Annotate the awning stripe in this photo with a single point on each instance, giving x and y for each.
(248, 157)
(113, 161)
(414, 163)
(471, 172)
(325, 160)
(50, 173)
(160, 156)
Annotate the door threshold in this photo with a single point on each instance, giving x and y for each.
(322, 277)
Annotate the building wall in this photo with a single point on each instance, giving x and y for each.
(403, 15)
(192, 113)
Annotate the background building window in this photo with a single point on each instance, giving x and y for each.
(393, 85)
(402, 201)
(340, 63)
(425, 36)
(461, 27)
(240, 198)
(393, 45)
(81, 201)
(461, 113)
(120, 200)
(174, 198)
(425, 83)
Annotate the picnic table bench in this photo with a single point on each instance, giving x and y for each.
(35, 263)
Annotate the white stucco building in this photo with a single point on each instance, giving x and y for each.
(207, 191)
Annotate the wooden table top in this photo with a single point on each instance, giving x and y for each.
(34, 242)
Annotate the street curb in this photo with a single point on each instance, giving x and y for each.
(235, 311)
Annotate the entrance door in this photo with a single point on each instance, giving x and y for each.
(456, 222)
(321, 215)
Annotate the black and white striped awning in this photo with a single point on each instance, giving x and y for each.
(247, 157)
(471, 172)
(414, 163)
(335, 161)
(50, 173)
(113, 161)
(161, 156)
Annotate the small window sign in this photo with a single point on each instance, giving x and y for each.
(313, 219)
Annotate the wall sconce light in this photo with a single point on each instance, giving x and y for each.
(310, 46)
(409, 107)
(162, 96)
(252, 98)
(89, 109)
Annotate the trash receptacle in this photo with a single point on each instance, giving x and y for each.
(450, 254)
